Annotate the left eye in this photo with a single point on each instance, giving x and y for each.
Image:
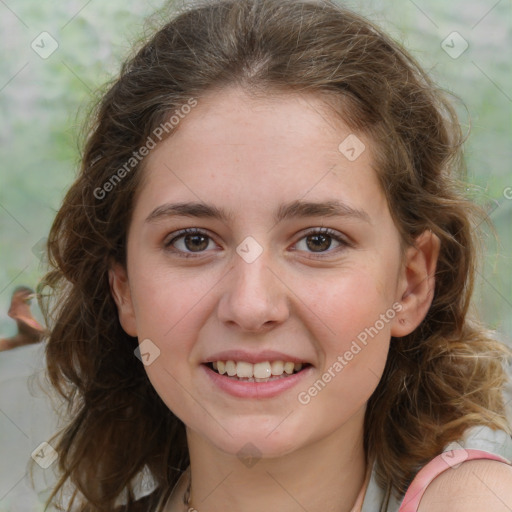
(320, 241)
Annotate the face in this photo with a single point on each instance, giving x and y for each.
(20, 303)
(256, 240)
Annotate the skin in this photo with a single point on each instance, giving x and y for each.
(29, 329)
(472, 487)
(250, 156)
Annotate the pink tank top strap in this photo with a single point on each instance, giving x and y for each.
(446, 460)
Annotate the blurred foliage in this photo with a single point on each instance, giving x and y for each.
(43, 102)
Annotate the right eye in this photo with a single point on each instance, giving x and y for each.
(187, 242)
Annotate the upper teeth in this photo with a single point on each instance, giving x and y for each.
(262, 370)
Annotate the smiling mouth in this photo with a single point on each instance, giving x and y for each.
(260, 372)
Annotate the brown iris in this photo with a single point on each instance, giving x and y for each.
(196, 242)
(318, 242)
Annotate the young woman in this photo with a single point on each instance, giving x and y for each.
(262, 278)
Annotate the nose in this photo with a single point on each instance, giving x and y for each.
(253, 298)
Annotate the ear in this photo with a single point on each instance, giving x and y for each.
(417, 283)
(120, 289)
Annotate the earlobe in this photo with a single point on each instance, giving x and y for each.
(418, 285)
(120, 289)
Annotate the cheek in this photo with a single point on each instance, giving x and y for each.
(169, 310)
(166, 313)
(350, 305)
(167, 303)
(171, 385)
(356, 316)
(353, 349)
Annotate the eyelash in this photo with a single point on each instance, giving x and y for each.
(181, 234)
(314, 231)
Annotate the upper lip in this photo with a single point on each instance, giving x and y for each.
(253, 357)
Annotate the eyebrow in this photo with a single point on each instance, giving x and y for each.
(332, 208)
(200, 210)
(294, 209)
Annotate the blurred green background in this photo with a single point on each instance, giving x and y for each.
(44, 97)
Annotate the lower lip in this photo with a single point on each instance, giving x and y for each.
(243, 389)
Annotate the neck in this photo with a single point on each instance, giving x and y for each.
(326, 475)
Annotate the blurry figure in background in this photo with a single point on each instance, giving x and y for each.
(29, 329)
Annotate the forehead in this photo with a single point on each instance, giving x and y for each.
(261, 148)
(245, 120)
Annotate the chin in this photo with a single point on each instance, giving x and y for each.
(247, 439)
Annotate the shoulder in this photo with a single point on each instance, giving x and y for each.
(473, 486)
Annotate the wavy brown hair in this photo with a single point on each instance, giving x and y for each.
(441, 379)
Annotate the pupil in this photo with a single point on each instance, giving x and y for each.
(320, 242)
(196, 242)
